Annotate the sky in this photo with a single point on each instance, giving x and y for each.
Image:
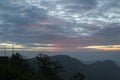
(64, 26)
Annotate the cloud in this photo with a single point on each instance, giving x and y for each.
(66, 24)
(80, 4)
(111, 30)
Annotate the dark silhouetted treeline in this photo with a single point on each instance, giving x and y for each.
(19, 68)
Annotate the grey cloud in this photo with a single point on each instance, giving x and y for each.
(109, 35)
(20, 14)
(81, 4)
(26, 34)
(15, 17)
(111, 30)
(24, 25)
(71, 6)
(24, 17)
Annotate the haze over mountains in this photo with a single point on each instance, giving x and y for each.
(101, 70)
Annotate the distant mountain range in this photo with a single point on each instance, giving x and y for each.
(100, 70)
(91, 62)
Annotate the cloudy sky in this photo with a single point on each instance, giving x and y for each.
(60, 25)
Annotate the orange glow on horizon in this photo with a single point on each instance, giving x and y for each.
(57, 48)
(48, 47)
(105, 47)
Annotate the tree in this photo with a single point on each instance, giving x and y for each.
(16, 69)
(16, 59)
(47, 67)
(78, 76)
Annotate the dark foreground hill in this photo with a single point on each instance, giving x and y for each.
(105, 70)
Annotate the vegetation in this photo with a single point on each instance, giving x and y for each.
(47, 67)
(78, 76)
(18, 68)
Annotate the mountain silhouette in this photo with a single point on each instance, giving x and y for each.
(100, 70)
(70, 65)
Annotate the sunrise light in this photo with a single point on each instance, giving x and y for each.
(105, 47)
